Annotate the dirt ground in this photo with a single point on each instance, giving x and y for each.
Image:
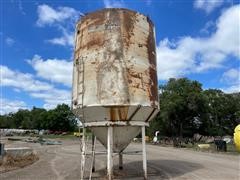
(10, 163)
(63, 162)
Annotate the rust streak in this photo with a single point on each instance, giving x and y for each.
(119, 113)
(129, 19)
(123, 113)
(153, 91)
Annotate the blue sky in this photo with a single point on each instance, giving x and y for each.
(197, 39)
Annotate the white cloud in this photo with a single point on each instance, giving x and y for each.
(231, 76)
(20, 7)
(208, 5)
(208, 28)
(62, 18)
(231, 89)
(196, 54)
(55, 70)
(53, 97)
(48, 15)
(9, 41)
(67, 38)
(113, 3)
(50, 95)
(22, 81)
(8, 106)
(64, 40)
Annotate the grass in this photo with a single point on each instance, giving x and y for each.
(230, 149)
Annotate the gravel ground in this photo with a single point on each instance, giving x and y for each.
(63, 162)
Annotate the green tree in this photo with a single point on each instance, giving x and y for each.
(22, 119)
(60, 118)
(182, 108)
(37, 117)
(223, 112)
(6, 121)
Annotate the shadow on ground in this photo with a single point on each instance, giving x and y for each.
(157, 169)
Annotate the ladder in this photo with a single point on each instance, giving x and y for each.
(80, 85)
(80, 98)
(82, 130)
(83, 150)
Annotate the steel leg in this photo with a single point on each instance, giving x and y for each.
(83, 154)
(109, 153)
(144, 153)
(120, 161)
(93, 150)
(92, 168)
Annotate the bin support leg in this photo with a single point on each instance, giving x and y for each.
(144, 153)
(83, 154)
(93, 152)
(109, 152)
(120, 161)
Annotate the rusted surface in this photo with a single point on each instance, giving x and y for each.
(129, 19)
(118, 113)
(111, 76)
(152, 68)
(117, 47)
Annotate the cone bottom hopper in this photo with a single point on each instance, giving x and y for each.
(122, 136)
(125, 120)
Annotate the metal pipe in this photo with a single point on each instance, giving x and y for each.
(115, 123)
(109, 150)
(144, 153)
(83, 155)
(105, 152)
(120, 160)
(92, 169)
(93, 150)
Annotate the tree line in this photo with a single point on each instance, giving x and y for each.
(185, 109)
(59, 119)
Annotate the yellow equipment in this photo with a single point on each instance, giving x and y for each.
(77, 134)
(204, 146)
(237, 137)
